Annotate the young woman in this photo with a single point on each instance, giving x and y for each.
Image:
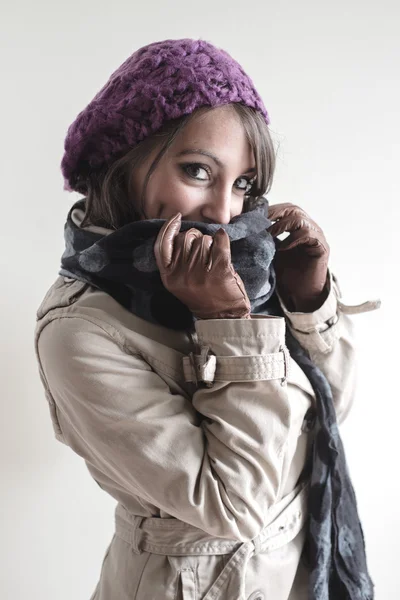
(198, 364)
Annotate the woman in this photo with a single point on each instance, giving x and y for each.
(196, 362)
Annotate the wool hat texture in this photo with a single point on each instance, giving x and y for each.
(159, 82)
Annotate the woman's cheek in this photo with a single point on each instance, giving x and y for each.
(183, 198)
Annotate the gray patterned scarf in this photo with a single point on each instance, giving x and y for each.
(122, 263)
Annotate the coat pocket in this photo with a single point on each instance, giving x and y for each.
(196, 574)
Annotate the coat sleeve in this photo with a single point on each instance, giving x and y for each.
(329, 335)
(221, 474)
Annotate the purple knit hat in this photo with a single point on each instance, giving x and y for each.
(162, 81)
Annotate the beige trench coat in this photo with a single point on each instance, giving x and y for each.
(211, 504)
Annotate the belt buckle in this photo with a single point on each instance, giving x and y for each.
(286, 362)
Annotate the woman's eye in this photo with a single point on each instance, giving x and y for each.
(245, 184)
(202, 172)
(196, 171)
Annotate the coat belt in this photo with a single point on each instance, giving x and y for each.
(172, 537)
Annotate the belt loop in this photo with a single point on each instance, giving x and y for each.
(136, 534)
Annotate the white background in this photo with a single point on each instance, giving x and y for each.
(328, 74)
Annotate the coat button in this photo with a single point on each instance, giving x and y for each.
(309, 420)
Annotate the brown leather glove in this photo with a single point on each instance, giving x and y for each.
(301, 259)
(197, 269)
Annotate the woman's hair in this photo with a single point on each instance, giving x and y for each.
(109, 201)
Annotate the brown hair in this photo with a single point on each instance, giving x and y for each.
(108, 192)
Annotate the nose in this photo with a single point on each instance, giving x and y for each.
(218, 208)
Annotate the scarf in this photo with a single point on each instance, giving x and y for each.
(122, 263)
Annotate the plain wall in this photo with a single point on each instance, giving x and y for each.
(328, 74)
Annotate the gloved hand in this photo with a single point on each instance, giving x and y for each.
(301, 260)
(197, 269)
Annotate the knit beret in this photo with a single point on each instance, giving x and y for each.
(159, 82)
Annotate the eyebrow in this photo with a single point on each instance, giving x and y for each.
(212, 156)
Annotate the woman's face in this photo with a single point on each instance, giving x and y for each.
(204, 174)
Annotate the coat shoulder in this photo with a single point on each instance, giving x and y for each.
(68, 299)
(62, 293)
